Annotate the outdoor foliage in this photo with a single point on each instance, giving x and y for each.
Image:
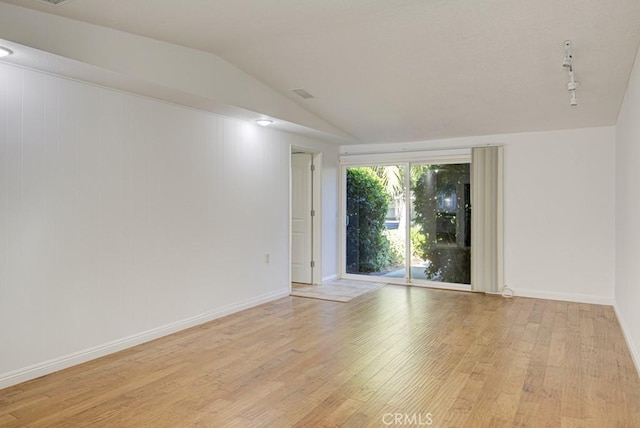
(449, 254)
(396, 240)
(368, 249)
(418, 240)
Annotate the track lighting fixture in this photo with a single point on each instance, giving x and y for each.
(572, 85)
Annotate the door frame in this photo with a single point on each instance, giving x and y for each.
(316, 220)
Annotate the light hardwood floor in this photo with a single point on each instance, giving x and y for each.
(420, 355)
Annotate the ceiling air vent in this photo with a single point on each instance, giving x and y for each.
(303, 93)
(54, 1)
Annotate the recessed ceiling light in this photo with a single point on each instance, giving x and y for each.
(5, 52)
(264, 122)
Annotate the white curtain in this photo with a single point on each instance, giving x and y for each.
(486, 220)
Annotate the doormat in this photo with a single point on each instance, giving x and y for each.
(340, 290)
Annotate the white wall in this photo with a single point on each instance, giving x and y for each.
(627, 290)
(559, 210)
(559, 215)
(124, 218)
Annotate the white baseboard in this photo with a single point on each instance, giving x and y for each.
(635, 352)
(56, 364)
(566, 297)
(329, 278)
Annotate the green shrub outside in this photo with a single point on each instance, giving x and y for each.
(418, 240)
(368, 249)
(396, 240)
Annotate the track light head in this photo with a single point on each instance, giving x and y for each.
(568, 54)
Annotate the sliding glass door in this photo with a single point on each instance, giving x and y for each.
(409, 222)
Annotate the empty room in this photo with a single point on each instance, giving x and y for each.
(298, 213)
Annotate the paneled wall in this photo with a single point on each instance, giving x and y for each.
(122, 218)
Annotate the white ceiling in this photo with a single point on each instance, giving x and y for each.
(406, 70)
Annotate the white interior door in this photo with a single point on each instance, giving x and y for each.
(301, 218)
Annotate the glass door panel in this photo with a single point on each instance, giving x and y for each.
(441, 223)
(376, 220)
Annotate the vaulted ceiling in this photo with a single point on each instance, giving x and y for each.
(406, 70)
